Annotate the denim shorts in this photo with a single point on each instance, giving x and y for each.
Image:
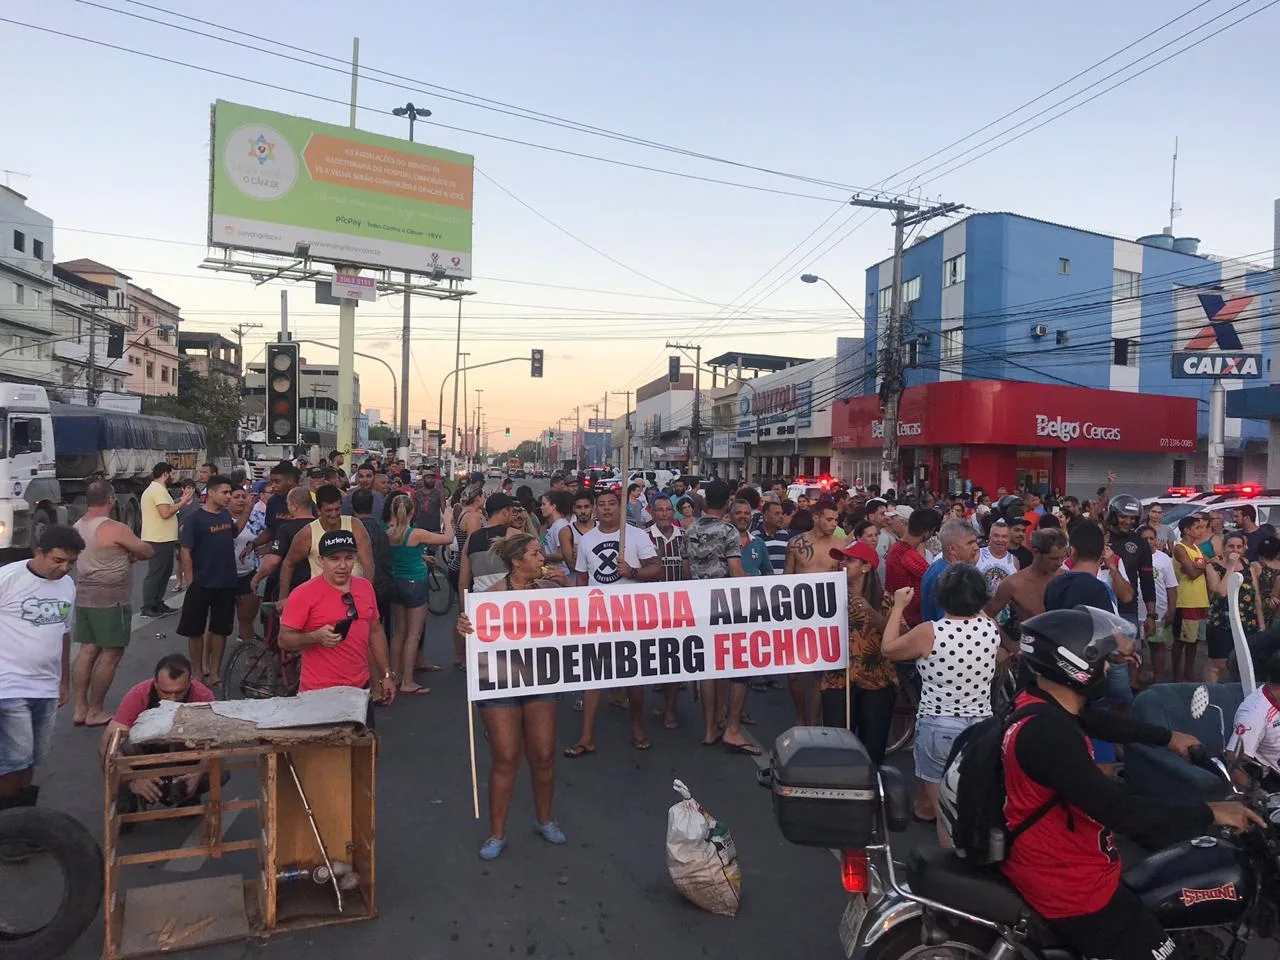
(411, 594)
(935, 737)
(26, 731)
(1118, 688)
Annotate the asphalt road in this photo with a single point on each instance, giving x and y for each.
(605, 892)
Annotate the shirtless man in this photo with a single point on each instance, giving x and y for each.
(1024, 590)
(811, 553)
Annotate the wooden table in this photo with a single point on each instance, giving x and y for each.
(336, 765)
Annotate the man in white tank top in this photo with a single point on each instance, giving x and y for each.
(306, 542)
(104, 586)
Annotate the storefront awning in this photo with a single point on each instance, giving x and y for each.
(1254, 403)
(1003, 413)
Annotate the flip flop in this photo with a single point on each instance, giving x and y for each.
(77, 723)
(671, 724)
(747, 749)
(747, 720)
(577, 706)
(100, 723)
(710, 743)
(658, 713)
(641, 743)
(415, 692)
(578, 750)
(429, 668)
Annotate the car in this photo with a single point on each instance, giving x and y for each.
(516, 475)
(495, 473)
(654, 478)
(813, 489)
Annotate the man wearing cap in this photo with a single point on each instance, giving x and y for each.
(333, 621)
(480, 568)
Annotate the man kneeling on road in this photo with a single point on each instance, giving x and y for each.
(172, 681)
(333, 620)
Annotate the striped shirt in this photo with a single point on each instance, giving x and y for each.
(777, 545)
(671, 551)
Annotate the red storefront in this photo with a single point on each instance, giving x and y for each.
(1000, 434)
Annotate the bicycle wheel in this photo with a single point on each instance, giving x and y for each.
(902, 731)
(252, 672)
(439, 590)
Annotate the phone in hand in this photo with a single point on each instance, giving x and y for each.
(342, 626)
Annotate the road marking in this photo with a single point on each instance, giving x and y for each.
(195, 839)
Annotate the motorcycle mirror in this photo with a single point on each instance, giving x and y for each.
(1199, 701)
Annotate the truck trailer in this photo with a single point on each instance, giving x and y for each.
(52, 452)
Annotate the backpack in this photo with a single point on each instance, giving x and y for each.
(971, 794)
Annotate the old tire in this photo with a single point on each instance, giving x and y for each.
(80, 860)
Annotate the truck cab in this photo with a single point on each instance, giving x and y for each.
(29, 494)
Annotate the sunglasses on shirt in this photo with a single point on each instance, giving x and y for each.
(342, 626)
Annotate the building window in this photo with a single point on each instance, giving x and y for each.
(133, 318)
(37, 249)
(19, 293)
(151, 370)
(119, 298)
(952, 346)
(37, 298)
(911, 290)
(1124, 284)
(885, 302)
(953, 270)
(164, 374)
(147, 321)
(19, 241)
(1124, 352)
(1064, 266)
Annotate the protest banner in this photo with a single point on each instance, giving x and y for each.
(582, 638)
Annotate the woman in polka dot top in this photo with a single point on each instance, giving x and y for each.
(956, 659)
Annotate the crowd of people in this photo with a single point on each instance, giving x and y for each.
(938, 587)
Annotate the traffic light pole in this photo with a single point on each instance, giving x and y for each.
(445, 381)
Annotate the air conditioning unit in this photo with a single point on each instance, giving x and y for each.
(1040, 330)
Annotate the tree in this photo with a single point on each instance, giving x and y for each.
(527, 451)
(212, 403)
(381, 433)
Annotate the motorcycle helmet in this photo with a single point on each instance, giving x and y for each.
(1008, 507)
(1071, 647)
(1123, 505)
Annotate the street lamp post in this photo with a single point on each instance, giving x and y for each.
(414, 114)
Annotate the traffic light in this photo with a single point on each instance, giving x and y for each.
(535, 363)
(115, 340)
(551, 436)
(673, 370)
(282, 392)
(508, 431)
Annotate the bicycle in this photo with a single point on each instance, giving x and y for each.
(439, 587)
(257, 671)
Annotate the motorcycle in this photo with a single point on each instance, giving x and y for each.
(1214, 894)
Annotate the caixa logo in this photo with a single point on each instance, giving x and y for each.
(1067, 430)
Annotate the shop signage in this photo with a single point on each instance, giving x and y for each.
(1213, 366)
(1057, 428)
(774, 405)
(352, 286)
(904, 429)
(968, 413)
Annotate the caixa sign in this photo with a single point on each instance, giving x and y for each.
(1057, 428)
(1214, 366)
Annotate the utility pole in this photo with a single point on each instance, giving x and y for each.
(577, 437)
(284, 315)
(694, 418)
(240, 330)
(905, 215)
(626, 469)
(608, 456)
(476, 425)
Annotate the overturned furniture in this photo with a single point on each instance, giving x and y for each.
(315, 764)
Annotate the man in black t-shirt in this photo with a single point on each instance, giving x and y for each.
(300, 506)
(1017, 542)
(284, 477)
(208, 541)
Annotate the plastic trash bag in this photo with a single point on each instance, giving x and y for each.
(701, 856)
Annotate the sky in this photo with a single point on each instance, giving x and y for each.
(600, 263)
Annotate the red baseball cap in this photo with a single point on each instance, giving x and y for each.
(857, 550)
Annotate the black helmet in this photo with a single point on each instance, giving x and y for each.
(1123, 505)
(1008, 507)
(1071, 647)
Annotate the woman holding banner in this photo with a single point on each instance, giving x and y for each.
(516, 725)
(861, 698)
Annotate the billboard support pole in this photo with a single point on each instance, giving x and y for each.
(1217, 433)
(347, 316)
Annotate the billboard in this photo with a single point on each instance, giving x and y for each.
(351, 197)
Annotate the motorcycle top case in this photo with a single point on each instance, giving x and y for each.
(1205, 882)
(825, 792)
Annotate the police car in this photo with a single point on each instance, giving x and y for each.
(1224, 500)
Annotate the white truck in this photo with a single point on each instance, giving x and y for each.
(261, 456)
(51, 452)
